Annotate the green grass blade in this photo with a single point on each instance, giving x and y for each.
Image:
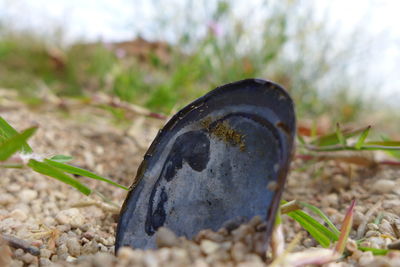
(61, 158)
(318, 212)
(384, 143)
(15, 143)
(321, 228)
(301, 139)
(345, 230)
(7, 131)
(340, 135)
(361, 139)
(82, 172)
(46, 169)
(393, 153)
(321, 238)
(375, 251)
(332, 138)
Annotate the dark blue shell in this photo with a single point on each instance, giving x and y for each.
(224, 156)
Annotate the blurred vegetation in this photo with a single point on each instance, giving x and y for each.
(287, 45)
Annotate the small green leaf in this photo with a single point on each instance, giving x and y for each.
(61, 158)
(340, 135)
(361, 139)
(7, 131)
(15, 143)
(46, 169)
(82, 172)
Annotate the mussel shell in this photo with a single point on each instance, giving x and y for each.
(222, 158)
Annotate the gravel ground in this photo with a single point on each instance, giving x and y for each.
(64, 228)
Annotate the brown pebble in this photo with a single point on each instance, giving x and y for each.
(241, 232)
(238, 251)
(209, 247)
(166, 238)
(28, 258)
(45, 253)
(74, 247)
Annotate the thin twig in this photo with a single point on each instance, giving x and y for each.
(355, 159)
(102, 99)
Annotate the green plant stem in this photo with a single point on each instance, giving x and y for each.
(343, 148)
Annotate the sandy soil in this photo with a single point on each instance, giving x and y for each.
(61, 227)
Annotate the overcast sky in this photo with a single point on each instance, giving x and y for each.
(121, 19)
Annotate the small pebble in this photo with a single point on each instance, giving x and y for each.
(71, 259)
(377, 242)
(74, 248)
(166, 238)
(366, 258)
(125, 253)
(28, 258)
(372, 226)
(371, 233)
(383, 186)
(71, 216)
(209, 247)
(90, 248)
(45, 253)
(19, 215)
(339, 182)
(238, 251)
(6, 199)
(386, 228)
(14, 187)
(332, 199)
(103, 259)
(27, 195)
(45, 262)
(358, 218)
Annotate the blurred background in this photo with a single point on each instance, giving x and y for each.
(338, 59)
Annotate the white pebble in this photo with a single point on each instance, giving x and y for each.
(384, 186)
(6, 199)
(27, 195)
(332, 199)
(70, 259)
(19, 215)
(70, 216)
(209, 247)
(366, 258)
(125, 253)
